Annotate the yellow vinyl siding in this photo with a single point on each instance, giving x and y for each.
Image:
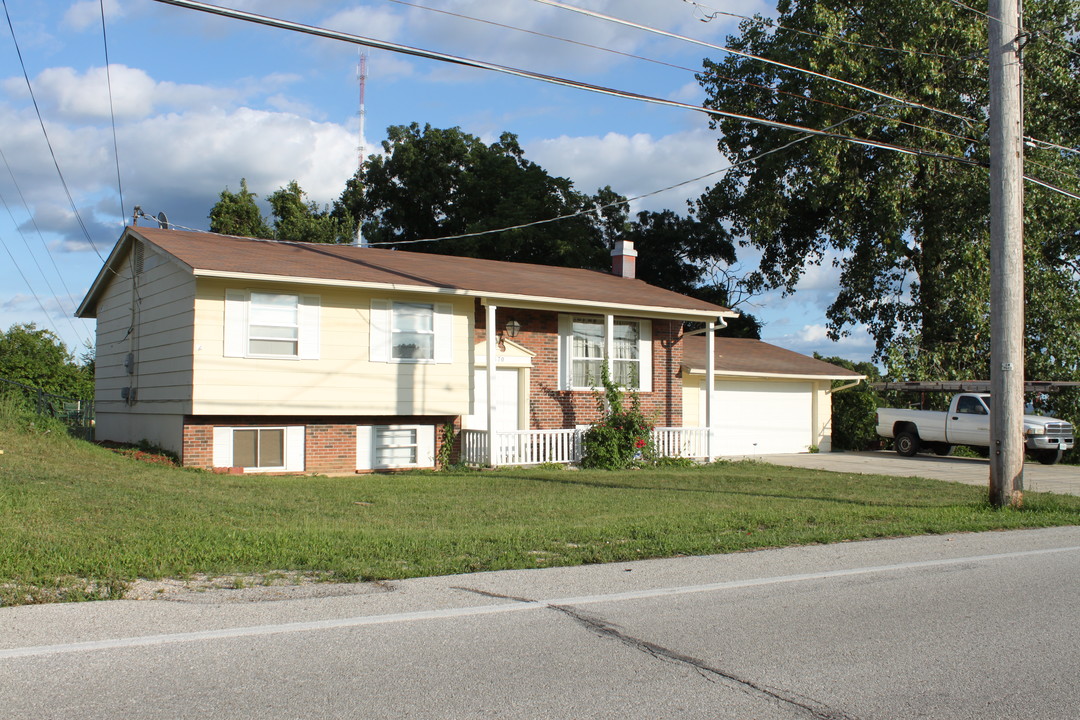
(342, 380)
(156, 329)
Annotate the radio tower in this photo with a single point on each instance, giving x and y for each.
(361, 74)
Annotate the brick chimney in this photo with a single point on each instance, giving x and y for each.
(624, 259)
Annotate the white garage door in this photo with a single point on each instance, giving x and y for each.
(758, 418)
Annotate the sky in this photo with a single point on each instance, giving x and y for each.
(200, 101)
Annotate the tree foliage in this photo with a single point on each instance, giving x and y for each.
(238, 214)
(38, 358)
(294, 217)
(909, 234)
(854, 419)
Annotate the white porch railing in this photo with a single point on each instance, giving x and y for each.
(535, 447)
(681, 442)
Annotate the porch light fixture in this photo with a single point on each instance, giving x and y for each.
(512, 327)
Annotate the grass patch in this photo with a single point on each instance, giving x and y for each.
(78, 521)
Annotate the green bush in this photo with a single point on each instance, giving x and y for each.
(623, 436)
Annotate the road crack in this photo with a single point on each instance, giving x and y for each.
(807, 707)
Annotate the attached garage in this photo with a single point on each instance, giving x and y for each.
(768, 400)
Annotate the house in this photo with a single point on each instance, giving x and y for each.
(768, 399)
(266, 356)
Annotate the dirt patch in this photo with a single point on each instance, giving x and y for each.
(205, 589)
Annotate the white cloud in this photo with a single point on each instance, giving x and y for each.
(808, 339)
(86, 14)
(634, 164)
(70, 95)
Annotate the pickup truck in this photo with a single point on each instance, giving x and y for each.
(967, 422)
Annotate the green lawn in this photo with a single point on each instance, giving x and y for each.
(78, 521)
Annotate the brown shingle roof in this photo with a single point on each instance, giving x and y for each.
(209, 253)
(741, 355)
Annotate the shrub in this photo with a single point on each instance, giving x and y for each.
(623, 436)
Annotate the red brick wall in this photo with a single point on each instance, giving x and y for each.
(198, 446)
(330, 442)
(551, 408)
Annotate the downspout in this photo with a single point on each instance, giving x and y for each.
(850, 385)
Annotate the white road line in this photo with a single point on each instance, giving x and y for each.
(516, 606)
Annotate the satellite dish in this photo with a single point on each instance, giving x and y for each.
(162, 221)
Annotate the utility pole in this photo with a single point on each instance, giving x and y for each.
(361, 150)
(1006, 256)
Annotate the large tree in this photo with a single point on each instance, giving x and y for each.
(434, 183)
(37, 357)
(295, 218)
(909, 233)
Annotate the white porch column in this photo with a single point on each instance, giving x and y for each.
(609, 345)
(710, 389)
(490, 377)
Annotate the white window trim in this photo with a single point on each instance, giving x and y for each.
(381, 333)
(237, 341)
(294, 447)
(566, 350)
(366, 451)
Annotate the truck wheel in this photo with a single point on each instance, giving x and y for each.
(1049, 457)
(907, 443)
(943, 449)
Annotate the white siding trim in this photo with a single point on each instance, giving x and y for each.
(379, 331)
(308, 330)
(236, 323)
(645, 381)
(365, 447)
(223, 450)
(444, 333)
(294, 448)
(425, 446)
(566, 339)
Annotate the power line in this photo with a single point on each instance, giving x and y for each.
(33, 221)
(45, 132)
(112, 110)
(556, 80)
(544, 35)
(747, 83)
(740, 53)
(41, 272)
(711, 13)
(44, 312)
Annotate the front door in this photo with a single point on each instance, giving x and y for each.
(506, 412)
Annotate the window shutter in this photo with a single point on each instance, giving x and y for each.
(294, 448)
(309, 327)
(645, 355)
(425, 446)
(365, 443)
(236, 323)
(444, 333)
(379, 330)
(566, 339)
(223, 455)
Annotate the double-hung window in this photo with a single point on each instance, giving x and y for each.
(584, 346)
(264, 324)
(273, 324)
(411, 332)
(587, 351)
(626, 364)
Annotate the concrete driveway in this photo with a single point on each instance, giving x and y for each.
(972, 471)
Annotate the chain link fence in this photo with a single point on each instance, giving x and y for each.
(76, 414)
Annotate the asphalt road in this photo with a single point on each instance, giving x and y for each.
(964, 626)
(972, 471)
